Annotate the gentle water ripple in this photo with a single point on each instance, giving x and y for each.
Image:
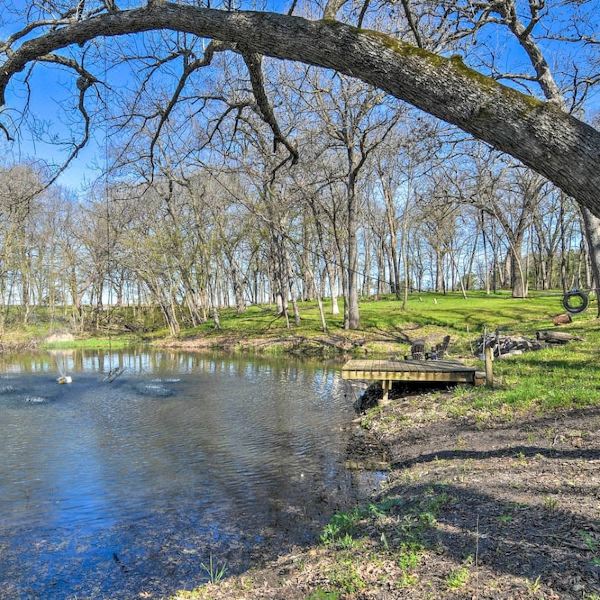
(180, 457)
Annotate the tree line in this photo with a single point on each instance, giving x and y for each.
(230, 178)
(421, 211)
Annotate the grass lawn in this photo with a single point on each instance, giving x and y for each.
(557, 377)
(431, 313)
(118, 342)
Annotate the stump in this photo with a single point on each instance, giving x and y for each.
(563, 319)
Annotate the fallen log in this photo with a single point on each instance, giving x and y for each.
(556, 337)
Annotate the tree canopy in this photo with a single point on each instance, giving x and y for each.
(540, 134)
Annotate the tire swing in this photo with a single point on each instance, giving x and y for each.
(575, 301)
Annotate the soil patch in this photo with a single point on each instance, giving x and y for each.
(494, 510)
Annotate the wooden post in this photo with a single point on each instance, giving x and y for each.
(387, 386)
(489, 369)
(488, 358)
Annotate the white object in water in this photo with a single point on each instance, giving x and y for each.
(65, 379)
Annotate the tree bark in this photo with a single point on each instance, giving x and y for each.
(353, 316)
(518, 275)
(440, 284)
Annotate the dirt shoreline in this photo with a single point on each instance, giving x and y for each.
(495, 509)
(324, 345)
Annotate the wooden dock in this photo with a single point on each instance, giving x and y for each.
(388, 371)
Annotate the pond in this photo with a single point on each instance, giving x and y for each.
(113, 489)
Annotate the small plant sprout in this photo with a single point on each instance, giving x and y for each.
(460, 577)
(535, 585)
(384, 541)
(521, 458)
(214, 571)
(346, 542)
(593, 546)
(340, 525)
(407, 580)
(409, 556)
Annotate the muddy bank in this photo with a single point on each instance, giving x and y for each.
(470, 509)
(12, 347)
(325, 345)
(22, 343)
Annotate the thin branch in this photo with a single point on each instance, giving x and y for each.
(254, 63)
(189, 68)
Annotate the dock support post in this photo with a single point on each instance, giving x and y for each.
(387, 386)
(489, 369)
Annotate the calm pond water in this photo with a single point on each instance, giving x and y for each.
(110, 490)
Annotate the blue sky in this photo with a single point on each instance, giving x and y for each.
(53, 90)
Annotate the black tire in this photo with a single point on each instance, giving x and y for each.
(574, 310)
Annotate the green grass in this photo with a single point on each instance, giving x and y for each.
(386, 328)
(94, 343)
(214, 571)
(321, 594)
(383, 322)
(344, 577)
(557, 377)
(340, 527)
(22, 334)
(408, 524)
(459, 577)
(450, 312)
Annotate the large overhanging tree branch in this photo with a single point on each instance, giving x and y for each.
(541, 135)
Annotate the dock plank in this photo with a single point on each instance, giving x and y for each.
(409, 370)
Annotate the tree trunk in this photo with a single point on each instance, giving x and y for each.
(592, 234)
(440, 285)
(353, 317)
(518, 276)
(391, 222)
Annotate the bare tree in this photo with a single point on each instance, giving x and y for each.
(540, 135)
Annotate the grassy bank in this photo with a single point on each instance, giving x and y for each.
(385, 327)
(118, 342)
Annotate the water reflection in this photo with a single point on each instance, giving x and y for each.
(107, 490)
